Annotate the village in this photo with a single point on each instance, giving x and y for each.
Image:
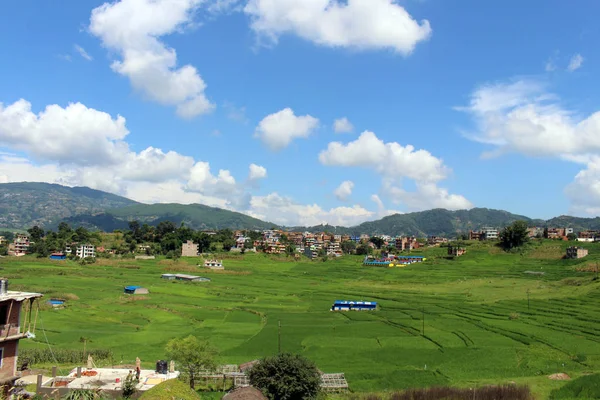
(311, 245)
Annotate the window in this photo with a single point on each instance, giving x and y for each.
(3, 314)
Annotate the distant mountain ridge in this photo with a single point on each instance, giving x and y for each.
(25, 204)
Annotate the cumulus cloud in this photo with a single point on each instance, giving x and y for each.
(524, 117)
(73, 134)
(388, 159)
(342, 125)
(344, 191)
(575, 63)
(257, 172)
(132, 28)
(83, 53)
(285, 211)
(355, 24)
(278, 130)
(393, 162)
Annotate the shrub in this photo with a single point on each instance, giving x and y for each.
(286, 376)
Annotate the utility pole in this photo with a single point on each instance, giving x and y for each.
(279, 338)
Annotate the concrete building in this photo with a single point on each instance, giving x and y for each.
(474, 235)
(576, 252)
(189, 249)
(85, 251)
(588, 236)
(19, 246)
(334, 249)
(456, 251)
(14, 308)
(489, 233)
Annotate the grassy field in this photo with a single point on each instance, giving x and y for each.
(479, 326)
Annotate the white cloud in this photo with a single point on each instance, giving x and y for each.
(388, 159)
(427, 196)
(575, 63)
(132, 29)
(285, 211)
(550, 66)
(356, 24)
(393, 162)
(278, 130)
(83, 53)
(257, 172)
(523, 117)
(342, 125)
(74, 134)
(153, 165)
(344, 190)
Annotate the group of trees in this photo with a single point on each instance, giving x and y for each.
(284, 376)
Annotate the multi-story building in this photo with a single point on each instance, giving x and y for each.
(436, 240)
(85, 251)
(474, 235)
(456, 251)
(189, 249)
(406, 243)
(588, 236)
(334, 249)
(488, 233)
(11, 311)
(19, 246)
(534, 232)
(555, 233)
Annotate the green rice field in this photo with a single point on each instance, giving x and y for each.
(479, 327)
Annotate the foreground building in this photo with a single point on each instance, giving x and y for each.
(15, 307)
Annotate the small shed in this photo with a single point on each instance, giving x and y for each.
(58, 256)
(135, 290)
(170, 277)
(214, 264)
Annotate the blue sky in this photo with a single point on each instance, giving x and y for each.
(232, 103)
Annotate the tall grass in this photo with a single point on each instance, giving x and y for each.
(62, 356)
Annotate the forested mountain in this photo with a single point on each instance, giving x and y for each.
(23, 205)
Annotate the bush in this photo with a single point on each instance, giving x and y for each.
(286, 377)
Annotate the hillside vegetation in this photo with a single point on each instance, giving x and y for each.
(23, 205)
(26, 204)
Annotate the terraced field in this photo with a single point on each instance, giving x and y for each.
(479, 326)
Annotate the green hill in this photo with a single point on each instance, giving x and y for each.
(197, 216)
(25, 204)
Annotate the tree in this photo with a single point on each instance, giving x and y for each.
(572, 236)
(514, 235)
(377, 241)
(348, 246)
(35, 233)
(290, 249)
(193, 356)
(228, 244)
(203, 240)
(364, 249)
(286, 377)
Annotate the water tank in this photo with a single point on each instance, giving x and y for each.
(3, 286)
(161, 367)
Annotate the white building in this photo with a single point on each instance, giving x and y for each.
(86, 250)
(490, 233)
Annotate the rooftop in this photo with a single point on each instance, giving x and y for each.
(18, 296)
(109, 379)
